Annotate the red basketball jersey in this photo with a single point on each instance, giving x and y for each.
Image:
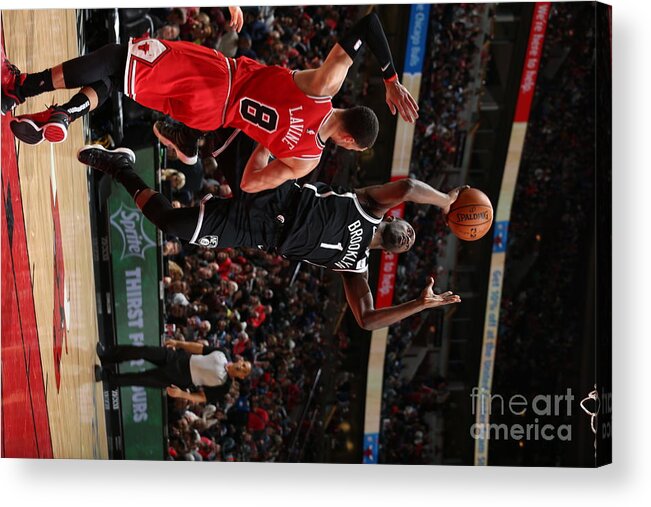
(205, 90)
(266, 105)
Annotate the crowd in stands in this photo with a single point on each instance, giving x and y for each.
(246, 303)
(551, 216)
(251, 303)
(405, 433)
(296, 37)
(455, 36)
(454, 44)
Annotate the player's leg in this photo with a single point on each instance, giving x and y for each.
(180, 222)
(96, 73)
(108, 61)
(183, 139)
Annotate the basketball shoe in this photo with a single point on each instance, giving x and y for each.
(184, 140)
(106, 354)
(11, 81)
(102, 374)
(51, 125)
(110, 162)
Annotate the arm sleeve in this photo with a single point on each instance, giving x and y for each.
(369, 30)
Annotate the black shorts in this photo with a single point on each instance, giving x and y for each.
(252, 220)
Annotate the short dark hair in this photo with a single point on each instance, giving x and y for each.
(393, 233)
(362, 124)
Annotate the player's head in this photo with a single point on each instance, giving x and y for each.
(397, 235)
(360, 127)
(239, 369)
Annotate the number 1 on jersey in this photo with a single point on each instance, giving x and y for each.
(259, 115)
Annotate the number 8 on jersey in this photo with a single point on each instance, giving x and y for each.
(259, 114)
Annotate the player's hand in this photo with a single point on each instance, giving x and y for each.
(171, 344)
(399, 99)
(453, 195)
(175, 392)
(430, 300)
(237, 18)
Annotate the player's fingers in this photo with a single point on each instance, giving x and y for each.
(411, 112)
(414, 112)
(413, 102)
(405, 114)
(236, 18)
(411, 105)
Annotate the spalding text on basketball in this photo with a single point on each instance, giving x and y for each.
(480, 215)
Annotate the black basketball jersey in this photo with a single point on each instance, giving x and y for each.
(330, 229)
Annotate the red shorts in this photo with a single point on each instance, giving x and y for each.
(188, 82)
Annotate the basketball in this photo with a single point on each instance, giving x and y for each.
(471, 215)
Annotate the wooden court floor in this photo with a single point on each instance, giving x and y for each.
(51, 405)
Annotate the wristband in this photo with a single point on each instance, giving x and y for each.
(391, 79)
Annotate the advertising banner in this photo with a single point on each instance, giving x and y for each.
(136, 290)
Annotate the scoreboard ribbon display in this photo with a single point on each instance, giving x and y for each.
(414, 58)
(502, 217)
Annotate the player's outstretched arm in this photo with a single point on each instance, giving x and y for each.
(360, 300)
(260, 174)
(327, 79)
(381, 198)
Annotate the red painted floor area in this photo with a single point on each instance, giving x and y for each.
(25, 425)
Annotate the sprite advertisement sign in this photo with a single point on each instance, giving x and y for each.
(136, 294)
